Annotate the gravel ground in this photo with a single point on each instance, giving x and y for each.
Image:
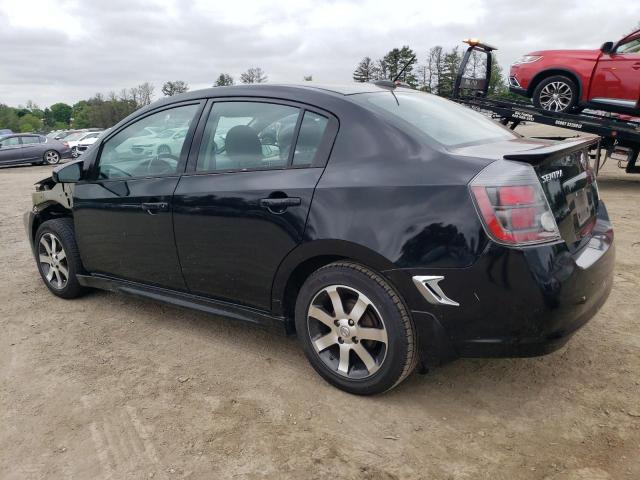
(110, 386)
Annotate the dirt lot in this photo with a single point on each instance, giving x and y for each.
(111, 386)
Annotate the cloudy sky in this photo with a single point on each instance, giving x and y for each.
(66, 50)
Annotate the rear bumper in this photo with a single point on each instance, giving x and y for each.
(514, 302)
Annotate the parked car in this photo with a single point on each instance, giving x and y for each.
(75, 139)
(565, 80)
(388, 227)
(5, 131)
(31, 148)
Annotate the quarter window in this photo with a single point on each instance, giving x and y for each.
(311, 132)
(246, 136)
(149, 147)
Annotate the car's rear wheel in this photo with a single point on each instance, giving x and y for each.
(355, 330)
(51, 157)
(556, 94)
(58, 257)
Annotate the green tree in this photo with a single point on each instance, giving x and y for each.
(366, 71)
(450, 66)
(174, 88)
(223, 80)
(30, 123)
(61, 112)
(8, 118)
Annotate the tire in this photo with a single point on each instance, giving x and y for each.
(51, 157)
(47, 253)
(565, 91)
(366, 354)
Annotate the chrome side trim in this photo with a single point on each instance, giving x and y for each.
(615, 101)
(431, 291)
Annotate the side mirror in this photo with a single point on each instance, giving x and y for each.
(69, 173)
(607, 47)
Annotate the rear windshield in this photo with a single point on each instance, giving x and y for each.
(444, 121)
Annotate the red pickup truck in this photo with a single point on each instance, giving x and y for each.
(570, 80)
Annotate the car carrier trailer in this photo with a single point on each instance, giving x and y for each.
(619, 139)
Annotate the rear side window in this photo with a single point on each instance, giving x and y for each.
(444, 121)
(311, 133)
(30, 140)
(247, 136)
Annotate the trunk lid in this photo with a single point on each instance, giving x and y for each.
(569, 184)
(565, 175)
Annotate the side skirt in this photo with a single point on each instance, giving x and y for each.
(186, 300)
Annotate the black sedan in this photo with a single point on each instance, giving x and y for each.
(385, 227)
(22, 148)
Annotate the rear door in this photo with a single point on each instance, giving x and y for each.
(10, 150)
(31, 148)
(617, 77)
(122, 214)
(243, 204)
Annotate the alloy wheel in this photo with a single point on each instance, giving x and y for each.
(53, 261)
(347, 332)
(556, 96)
(51, 157)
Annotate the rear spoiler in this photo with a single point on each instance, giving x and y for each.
(537, 155)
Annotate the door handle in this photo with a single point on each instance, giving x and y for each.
(279, 205)
(636, 66)
(280, 202)
(155, 207)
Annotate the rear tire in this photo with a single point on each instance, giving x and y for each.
(366, 351)
(556, 94)
(51, 157)
(58, 258)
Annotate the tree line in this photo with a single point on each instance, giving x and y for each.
(435, 74)
(103, 111)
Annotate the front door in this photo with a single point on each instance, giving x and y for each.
(10, 150)
(617, 77)
(122, 214)
(243, 205)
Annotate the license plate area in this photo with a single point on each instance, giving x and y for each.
(581, 208)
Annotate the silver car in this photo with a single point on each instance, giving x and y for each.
(31, 148)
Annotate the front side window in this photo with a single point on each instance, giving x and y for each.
(632, 46)
(10, 142)
(246, 136)
(149, 147)
(444, 121)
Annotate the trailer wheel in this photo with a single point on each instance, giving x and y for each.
(556, 94)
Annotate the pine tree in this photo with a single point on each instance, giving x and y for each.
(365, 71)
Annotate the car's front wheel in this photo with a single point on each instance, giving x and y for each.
(355, 329)
(556, 94)
(51, 157)
(58, 257)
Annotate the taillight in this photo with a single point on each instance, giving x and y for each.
(512, 204)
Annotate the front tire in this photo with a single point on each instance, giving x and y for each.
(51, 157)
(58, 258)
(556, 94)
(355, 330)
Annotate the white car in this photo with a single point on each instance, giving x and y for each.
(81, 137)
(87, 141)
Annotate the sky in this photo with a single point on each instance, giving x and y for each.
(67, 50)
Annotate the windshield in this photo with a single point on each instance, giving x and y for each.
(444, 121)
(75, 136)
